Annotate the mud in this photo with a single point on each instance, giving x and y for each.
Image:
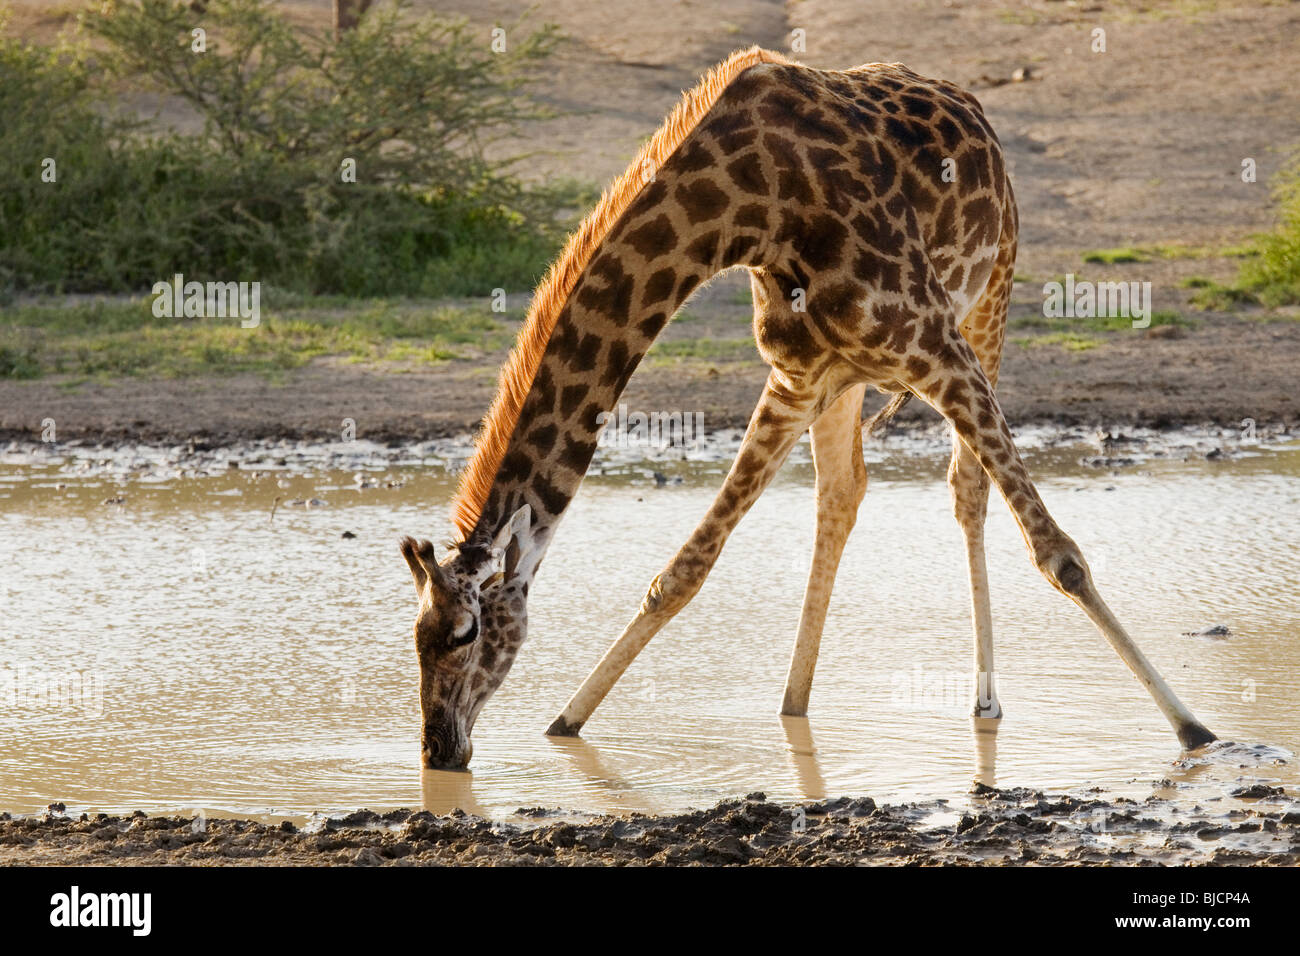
(380, 464)
(992, 828)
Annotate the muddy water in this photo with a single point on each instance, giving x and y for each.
(178, 649)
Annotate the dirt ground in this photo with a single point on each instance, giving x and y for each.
(1002, 827)
(1139, 145)
(1220, 372)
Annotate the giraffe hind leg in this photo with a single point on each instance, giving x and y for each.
(984, 329)
(970, 492)
(956, 386)
(841, 485)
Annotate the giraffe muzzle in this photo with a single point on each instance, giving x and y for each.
(445, 748)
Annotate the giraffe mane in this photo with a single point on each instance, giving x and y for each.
(553, 292)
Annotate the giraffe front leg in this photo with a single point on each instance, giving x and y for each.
(841, 485)
(970, 494)
(963, 395)
(781, 416)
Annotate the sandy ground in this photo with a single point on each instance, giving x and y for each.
(1000, 828)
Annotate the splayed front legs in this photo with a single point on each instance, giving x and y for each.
(779, 419)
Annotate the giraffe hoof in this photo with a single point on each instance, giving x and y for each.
(1194, 735)
(562, 728)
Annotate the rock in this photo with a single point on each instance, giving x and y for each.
(1216, 630)
(1257, 791)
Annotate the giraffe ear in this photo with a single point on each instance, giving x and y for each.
(517, 524)
(420, 559)
(510, 540)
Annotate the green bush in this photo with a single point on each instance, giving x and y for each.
(1272, 276)
(259, 193)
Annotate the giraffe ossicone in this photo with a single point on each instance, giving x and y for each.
(873, 211)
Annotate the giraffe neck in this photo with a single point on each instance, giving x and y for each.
(635, 280)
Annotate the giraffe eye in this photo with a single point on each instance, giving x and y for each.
(471, 633)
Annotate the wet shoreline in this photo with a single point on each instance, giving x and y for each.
(1100, 448)
(994, 828)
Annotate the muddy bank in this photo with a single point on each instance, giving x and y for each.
(1219, 373)
(996, 827)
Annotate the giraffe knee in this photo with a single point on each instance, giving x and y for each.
(654, 596)
(668, 593)
(1071, 577)
(1065, 568)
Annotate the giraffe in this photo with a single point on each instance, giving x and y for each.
(873, 211)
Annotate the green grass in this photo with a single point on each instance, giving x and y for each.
(1272, 275)
(1102, 323)
(111, 339)
(1216, 296)
(1112, 256)
(1070, 341)
(1149, 253)
(1080, 335)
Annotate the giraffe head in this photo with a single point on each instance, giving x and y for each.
(469, 627)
